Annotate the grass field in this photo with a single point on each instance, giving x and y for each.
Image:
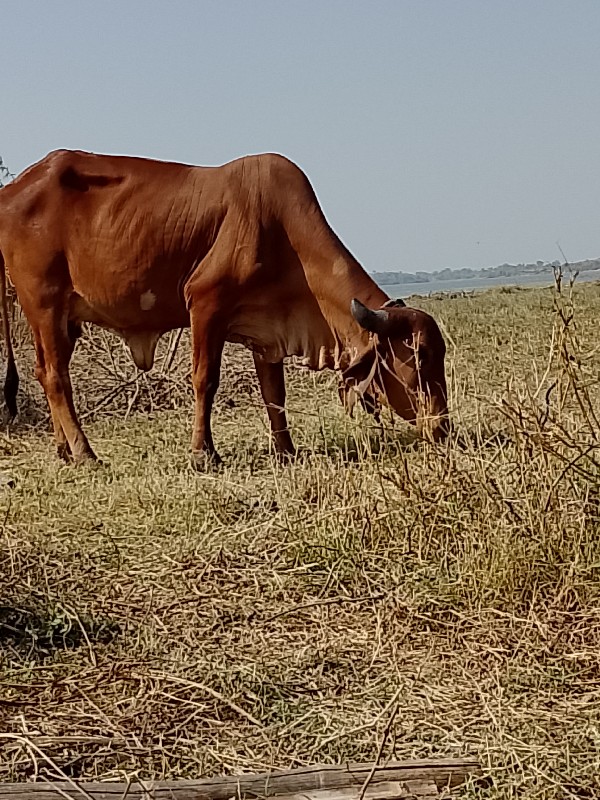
(378, 594)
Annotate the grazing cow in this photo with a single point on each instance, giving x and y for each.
(240, 252)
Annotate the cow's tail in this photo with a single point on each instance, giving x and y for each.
(11, 382)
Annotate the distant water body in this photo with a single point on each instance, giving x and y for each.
(470, 284)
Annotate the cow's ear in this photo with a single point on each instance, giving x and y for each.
(357, 378)
(362, 368)
(397, 303)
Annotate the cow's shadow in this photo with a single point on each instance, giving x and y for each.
(342, 446)
(396, 443)
(372, 443)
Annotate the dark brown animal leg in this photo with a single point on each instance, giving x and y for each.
(54, 349)
(272, 387)
(207, 349)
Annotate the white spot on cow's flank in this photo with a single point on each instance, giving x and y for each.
(147, 300)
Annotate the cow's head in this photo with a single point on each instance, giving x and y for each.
(403, 366)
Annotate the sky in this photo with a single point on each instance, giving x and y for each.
(436, 133)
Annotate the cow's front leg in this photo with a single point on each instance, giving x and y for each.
(207, 349)
(272, 387)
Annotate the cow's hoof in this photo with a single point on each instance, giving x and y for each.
(205, 460)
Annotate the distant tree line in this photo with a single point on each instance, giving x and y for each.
(503, 271)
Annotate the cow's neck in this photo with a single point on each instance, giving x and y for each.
(335, 283)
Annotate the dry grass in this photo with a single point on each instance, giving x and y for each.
(160, 623)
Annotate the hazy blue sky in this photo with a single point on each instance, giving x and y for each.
(437, 133)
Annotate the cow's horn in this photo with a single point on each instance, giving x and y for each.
(398, 303)
(372, 321)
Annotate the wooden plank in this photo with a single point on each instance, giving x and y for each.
(411, 790)
(386, 790)
(408, 777)
(421, 790)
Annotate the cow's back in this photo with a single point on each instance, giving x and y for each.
(130, 236)
(85, 202)
(113, 227)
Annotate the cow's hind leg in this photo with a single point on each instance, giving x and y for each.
(62, 444)
(272, 387)
(54, 345)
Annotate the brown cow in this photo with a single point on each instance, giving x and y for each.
(240, 252)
